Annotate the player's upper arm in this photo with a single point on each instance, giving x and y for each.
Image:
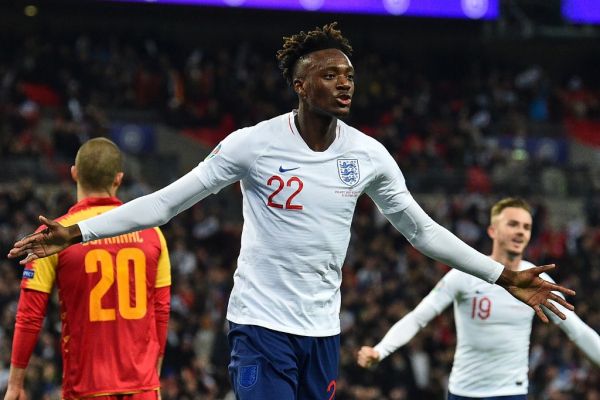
(163, 273)
(40, 274)
(231, 160)
(388, 188)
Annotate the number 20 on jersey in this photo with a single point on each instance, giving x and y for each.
(101, 259)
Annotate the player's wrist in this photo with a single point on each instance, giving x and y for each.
(74, 234)
(507, 279)
(16, 377)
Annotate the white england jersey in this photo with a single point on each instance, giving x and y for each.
(298, 206)
(493, 331)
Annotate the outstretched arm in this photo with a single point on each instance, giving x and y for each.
(406, 328)
(228, 163)
(438, 243)
(581, 334)
(144, 212)
(586, 338)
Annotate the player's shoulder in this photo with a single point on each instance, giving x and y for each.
(268, 126)
(78, 214)
(261, 133)
(359, 137)
(460, 280)
(456, 276)
(157, 232)
(452, 283)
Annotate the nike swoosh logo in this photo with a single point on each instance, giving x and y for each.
(282, 170)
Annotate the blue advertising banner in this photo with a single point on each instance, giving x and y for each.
(582, 11)
(467, 9)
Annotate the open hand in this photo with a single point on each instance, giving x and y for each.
(46, 242)
(534, 291)
(367, 356)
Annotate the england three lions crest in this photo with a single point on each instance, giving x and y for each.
(348, 171)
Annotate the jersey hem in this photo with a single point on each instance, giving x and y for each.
(91, 395)
(490, 393)
(283, 329)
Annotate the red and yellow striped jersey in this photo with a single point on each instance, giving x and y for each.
(106, 290)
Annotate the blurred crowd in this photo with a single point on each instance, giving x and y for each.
(472, 123)
(459, 134)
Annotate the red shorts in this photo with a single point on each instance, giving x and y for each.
(148, 395)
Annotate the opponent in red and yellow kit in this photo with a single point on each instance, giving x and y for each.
(114, 304)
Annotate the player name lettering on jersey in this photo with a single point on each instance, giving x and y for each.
(133, 237)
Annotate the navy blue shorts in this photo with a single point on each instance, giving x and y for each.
(266, 364)
(514, 397)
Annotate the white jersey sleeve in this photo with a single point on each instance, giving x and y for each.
(431, 306)
(147, 211)
(436, 242)
(235, 159)
(236, 154)
(586, 338)
(388, 189)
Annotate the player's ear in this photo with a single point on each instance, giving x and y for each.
(491, 231)
(298, 85)
(118, 179)
(74, 174)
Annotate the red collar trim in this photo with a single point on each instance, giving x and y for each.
(95, 202)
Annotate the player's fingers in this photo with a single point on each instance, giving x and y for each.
(558, 288)
(545, 268)
(550, 306)
(19, 251)
(30, 257)
(538, 311)
(15, 252)
(25, 240)
(561, 301)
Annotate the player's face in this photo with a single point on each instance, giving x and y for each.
(326, 82)
(511, 230)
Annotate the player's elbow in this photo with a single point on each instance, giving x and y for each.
(423, 237)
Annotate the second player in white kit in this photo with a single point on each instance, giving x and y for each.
(493, 328)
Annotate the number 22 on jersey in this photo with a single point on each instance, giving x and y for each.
(280, 184)
(102, 260)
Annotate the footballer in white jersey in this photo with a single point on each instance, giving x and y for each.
(298, 206)
(493, 328)
(301, 174)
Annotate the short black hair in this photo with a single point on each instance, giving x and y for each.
(300, 44)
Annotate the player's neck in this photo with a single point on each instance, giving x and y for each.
(84, 194)
(510, 261)
(318, 131)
